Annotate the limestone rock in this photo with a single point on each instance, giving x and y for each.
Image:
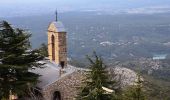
(124, 75)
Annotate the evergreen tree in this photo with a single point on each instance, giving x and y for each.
(16, 61)
(135, 92)
(44, 50)
(96, 78)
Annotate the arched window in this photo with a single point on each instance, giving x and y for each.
(53, 47)
(56, 95)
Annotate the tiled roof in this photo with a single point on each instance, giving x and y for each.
(59, 26)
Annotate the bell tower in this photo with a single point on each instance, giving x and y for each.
(57, 44)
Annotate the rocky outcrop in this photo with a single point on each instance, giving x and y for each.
(124, 76)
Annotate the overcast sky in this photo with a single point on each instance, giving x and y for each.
(33, 6)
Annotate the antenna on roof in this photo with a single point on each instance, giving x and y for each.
(56, 13)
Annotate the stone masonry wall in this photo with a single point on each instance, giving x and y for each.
(67, 86)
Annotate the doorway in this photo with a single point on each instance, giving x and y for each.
(62, 63)
(56, 95)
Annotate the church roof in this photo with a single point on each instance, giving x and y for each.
(59, 26)
(51, 73)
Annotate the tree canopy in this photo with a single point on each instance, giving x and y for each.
(96, 82)
(16, 60)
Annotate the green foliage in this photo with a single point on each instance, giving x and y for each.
(96, 78)
(135, 92)
(44, 50)
(156, 89)
(16, 59)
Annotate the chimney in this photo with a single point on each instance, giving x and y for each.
(62, 71)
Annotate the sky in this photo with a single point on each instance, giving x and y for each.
(19, 7)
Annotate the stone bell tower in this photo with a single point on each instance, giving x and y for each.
(57, 46)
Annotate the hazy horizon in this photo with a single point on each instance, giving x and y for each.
(20, 7)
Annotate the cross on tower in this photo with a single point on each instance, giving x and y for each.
(56, 16)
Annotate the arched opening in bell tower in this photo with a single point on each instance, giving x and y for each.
(53, 47)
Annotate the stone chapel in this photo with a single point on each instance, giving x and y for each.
(59, 80)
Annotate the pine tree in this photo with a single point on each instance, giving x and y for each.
(44, 50)
(96, 78)
(16, 61)
(135, 92)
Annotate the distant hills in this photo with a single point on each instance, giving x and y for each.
(118, 36)
(22, 8)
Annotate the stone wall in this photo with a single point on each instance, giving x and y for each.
(67, 86)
